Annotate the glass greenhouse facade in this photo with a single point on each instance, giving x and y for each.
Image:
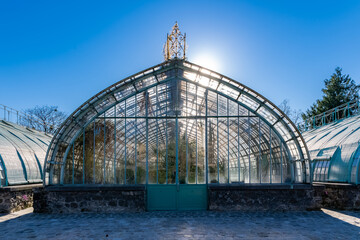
(22, 154)
(335, 150)
(177, 123)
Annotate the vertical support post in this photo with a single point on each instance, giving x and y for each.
(281, 152)
(228, 140)
(94, 153)
(260, 156)
(206, 138)
(135, 172)
(186, 136)
(196, 134)
(314, 125)
(249, 145)
(238, 143)
(184, 45)
(187, 151)
(157, 134)
(73, 163)
(270, 156)
(166, 146)
(125, 155)
(5, 172)
(104, 181)
(114, 165)
(196, 149)
(147, 135)
(157, 151)
(335, 113)
(177, 150)
(83, 156)
(217, 137)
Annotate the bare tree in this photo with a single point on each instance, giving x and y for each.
(294, 115)
(44, 118)
(285, 107)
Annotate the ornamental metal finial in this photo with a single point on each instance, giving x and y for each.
(175, 46)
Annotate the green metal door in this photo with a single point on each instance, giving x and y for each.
(186, 188)
(176, 197)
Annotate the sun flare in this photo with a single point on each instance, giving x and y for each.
(207, 61)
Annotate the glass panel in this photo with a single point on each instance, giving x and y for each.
(265, 153)
(192, 146)
(89, 154)
(141, 152)
(153, 150)
(121, 151)
(109, 151)
(253, 124)
(286, 165)
(130, 151)
(234, 157)
(171, 151)
(78, 160)
(223, 150)
(183, 164)
(68, 167)
(201, 161)
(162, 138)
(212, 150)
(99, 132)
(276, 166)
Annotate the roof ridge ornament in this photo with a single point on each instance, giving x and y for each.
(175, 45)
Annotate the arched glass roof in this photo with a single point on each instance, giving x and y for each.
(22, 154)
(334, 151)
(177, 122)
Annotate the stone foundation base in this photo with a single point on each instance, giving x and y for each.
(104, 199)
(338, 196)
(15, 198)
(271, 197)
(263, 198)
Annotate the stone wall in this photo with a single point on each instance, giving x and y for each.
(285, 198)
(338, 196)
(299, 197)
(89, 199)
(15, 198)
(263, 198)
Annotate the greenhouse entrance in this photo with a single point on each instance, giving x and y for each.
(177, 172)
(177, 197)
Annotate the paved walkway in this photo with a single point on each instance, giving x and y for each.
(325, 224)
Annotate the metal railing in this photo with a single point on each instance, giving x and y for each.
(15, 116)
(333, 115)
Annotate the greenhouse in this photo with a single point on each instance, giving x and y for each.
(174, 129)
(22, 154)
(334, 145)
(177, 123)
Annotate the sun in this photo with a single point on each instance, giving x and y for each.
(208, 61)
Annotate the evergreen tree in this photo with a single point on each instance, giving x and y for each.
(339, 89)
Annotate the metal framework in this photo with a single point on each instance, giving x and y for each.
(334, 148)
(345, 110)
(22, 154)
(177, 123)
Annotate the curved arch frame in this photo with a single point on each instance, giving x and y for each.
(108, 99)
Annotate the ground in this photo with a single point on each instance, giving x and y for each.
(324, 224)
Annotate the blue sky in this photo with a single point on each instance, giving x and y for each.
(64, 52)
